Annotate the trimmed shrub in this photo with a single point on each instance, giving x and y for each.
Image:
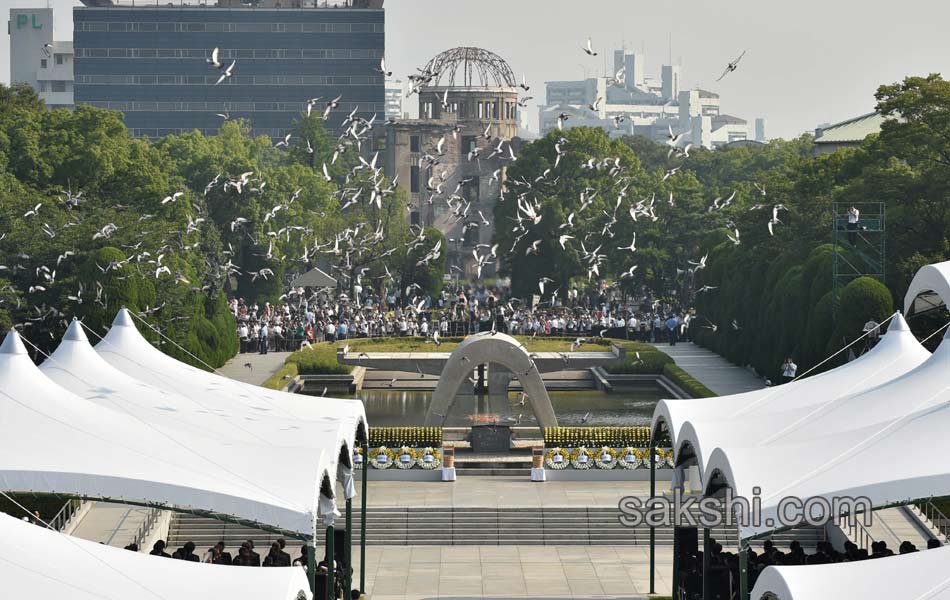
(687, 382)
(863, 299)
(394, 437)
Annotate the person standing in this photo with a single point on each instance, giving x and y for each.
(672, 329)
(262, 338)
(854, 217)
(788, 370)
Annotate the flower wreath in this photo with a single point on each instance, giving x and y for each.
(358, 459)
(374, 456)
(429, 459)
(667, 456)
(606, 458)
(557, 459)
(405, 458)
(581, 458)
(630, 458)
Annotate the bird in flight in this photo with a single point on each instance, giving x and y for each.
(226, 73)
(732, 66)
(588, 50)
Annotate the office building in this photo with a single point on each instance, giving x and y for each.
(151, 62)
(394, 95)
(39, 60)
(628, 102)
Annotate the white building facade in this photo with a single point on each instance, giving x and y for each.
(648, 107)
(39, 60)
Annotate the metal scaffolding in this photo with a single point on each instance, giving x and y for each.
(859, 247)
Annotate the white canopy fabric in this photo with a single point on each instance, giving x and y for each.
(125, 349)
(918, 576)
(929, 289)
(76, 366)
(775, 415)
(52, 441)
(887, 444)
(41, 564)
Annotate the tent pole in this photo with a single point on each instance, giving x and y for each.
(707, 560)
(363, 518)
(652, 528)
(312, 564)
(676, 572)
(743, 569)
(348, 550)
(331, 571)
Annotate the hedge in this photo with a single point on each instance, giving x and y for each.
(282, 377)
(647, 363)
(318, 359)
(687, 382)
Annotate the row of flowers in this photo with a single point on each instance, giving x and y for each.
(595, 437)
(606, 458)
(403, 457)
(415, 437)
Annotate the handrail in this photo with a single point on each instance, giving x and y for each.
(146, 527)
(859, 533)
(937, 518)
(65, 514)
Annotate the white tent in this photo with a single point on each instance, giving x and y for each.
(41, 564)
(887, 444)
(773, 415)
(52, 441)
(126, 350)
(919, 576)
(76, 366)
(929, 289)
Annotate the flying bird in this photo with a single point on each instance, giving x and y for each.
(732, 66)
(588, 50)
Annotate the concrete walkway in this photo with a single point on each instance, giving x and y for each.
(714, 371)
(111, 524)
(417, 572)
(262, 366)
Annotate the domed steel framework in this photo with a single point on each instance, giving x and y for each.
(476, 67)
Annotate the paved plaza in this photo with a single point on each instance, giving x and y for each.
(418, 572)
(714, 371)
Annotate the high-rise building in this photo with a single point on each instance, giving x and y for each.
(39, 60)
(153, 62)
(632, 103)
(394, 96)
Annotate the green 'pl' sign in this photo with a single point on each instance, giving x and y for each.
(22, 20)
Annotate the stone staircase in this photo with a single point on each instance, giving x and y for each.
(448, 526)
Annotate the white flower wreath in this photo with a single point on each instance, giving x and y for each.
(429, 459)
(606, 458)
(358, 459)
(406, 458)
(557, 459)
(629, 458)
(581, 458)
(381, 458)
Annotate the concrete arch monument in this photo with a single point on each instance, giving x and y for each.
(498, 349)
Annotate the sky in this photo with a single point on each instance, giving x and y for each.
(808, 62)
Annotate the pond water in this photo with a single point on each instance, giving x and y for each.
(623, 407)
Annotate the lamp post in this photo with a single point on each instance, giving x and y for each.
(363, 518)
(652, 528)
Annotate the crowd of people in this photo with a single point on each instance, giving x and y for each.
(724, 566)
(317, 317)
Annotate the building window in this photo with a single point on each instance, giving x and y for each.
(59, 59)
(58, 86)
(414, 217)
(42, 63)
(468, 144)
(414, 179)
(470, 189)
(414, 143)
